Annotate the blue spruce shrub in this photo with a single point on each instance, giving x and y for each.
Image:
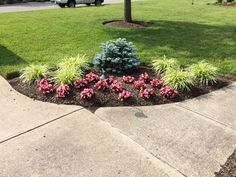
(117, 56)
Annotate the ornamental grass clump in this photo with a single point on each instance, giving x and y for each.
(178, 79)
(34, 73)
(204, 72)
(116, 57)
(79, 62)
(161, 65)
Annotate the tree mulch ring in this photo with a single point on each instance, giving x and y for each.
(124, 24)
(230, 4)
(109, 98)
(229, 168)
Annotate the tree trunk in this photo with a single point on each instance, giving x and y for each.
(128, 16)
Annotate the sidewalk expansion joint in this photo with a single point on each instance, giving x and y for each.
(41, 125)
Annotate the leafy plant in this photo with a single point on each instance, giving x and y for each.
(157, 83)
(101, 85)
(146, 93)
(80, 83)
(91, 77)
(62, 91)
(204, 72)
(34, 73)
(117, 86)
(178, 79)
(124, 95)
(144, 76)
(45, 86)
(117, 56)
(140, 84)
(87, 93)
(128, 79)
(79, 62)
(168, 92)
(160, 65)
(67, 75)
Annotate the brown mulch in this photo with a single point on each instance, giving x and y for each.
(229, 168)
(124, 24)
(109, 98)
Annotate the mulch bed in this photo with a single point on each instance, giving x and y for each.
(229, 168)
(124, 24)
(109, 98)
(229, 4)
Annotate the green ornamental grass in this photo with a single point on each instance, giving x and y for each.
(34, 73)
(160, 65)
(178, 79)
(204, 72)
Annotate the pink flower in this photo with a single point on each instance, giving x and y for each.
(110, 79)
(101, 85)
(157, 83)
(128, 79)
(80, 83)
(62, 91)
(87, 93)
(145, 77)
(116, 86)
(124, 95)
(139, 84)
(45, 86)
(91, 77)
(168, 92)
(146, 93)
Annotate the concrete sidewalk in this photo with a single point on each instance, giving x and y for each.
(191, 138)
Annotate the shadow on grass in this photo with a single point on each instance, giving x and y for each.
(7, 60)
(182, 39)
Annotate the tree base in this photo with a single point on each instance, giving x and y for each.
(124, 24)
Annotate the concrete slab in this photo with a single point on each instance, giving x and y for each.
(189, 142)
(78, 145)
(19, 113)
(219, 105)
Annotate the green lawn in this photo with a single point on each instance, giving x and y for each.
(188, 33)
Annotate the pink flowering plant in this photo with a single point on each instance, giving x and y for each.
(45, 86)
(168, 92)
(110, 79)
(80, 83)
(62, 91)
(124, 95)
(140, 84)
(146, 93)
(87, 93)
(117, 86)
(101, 85)
(91, 77)
(144, 76)
(157, 83)
(128, 79)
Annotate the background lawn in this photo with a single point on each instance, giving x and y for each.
(188, 33)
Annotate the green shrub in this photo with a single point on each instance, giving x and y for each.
(204, 72)
(160, 65)
(34, 73)
(79, 62)
(117, 56)
(67, 75)
(178, 79)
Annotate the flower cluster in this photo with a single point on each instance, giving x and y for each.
(91, 77)
(80, 83)
(45, 86)
(101, 85)
(117, 86)
(140, 84)
(110, 79)
(62, 91)
(157, 83)
(168, 92)
(144, 77)
(146, 93)
(128, 79)
(87, 93)
(124, 95)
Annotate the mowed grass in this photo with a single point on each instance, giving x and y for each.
(180, 30)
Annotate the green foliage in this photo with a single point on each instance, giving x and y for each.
(67, 75)
(34, 73)
(160, 65)
(204, 72)
(79, 62)
(178, 79)
(117, 56)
